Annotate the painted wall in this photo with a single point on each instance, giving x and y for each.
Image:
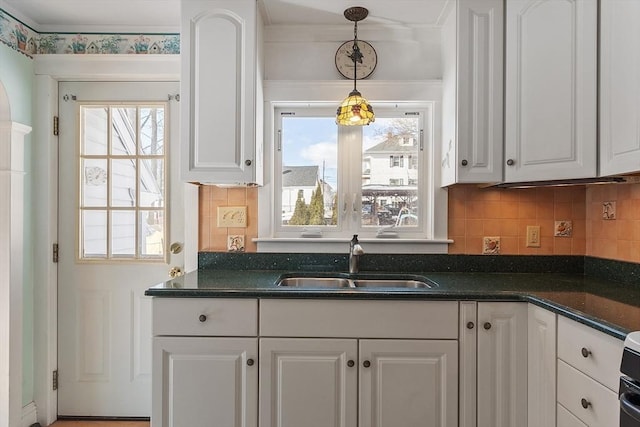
(16, 74)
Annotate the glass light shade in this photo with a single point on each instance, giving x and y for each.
(355, 111)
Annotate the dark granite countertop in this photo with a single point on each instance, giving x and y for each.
(608, 306)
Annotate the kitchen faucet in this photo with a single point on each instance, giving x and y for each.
(355, 251)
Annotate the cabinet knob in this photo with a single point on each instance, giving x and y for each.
(511, 162)
(470, 325)
(202, 318)
(366, 363)
(247, 162)
(585, 352)
(250, 362)
(487, 325)
(351, 363)
(585, 403)
(464, 162)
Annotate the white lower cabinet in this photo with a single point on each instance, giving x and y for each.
(588, 375)
(308, 382)
(204, 381)
(315, 382)
(541, 367)
(567, 419)
(502, 359)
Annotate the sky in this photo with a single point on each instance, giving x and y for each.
(313, 140)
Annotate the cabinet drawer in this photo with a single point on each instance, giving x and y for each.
(574, 386)
(567, 419)
(205, 317)
(361, 319)
(602, 353)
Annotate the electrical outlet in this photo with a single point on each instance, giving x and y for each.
(533, 236)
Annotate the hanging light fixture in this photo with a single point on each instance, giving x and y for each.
(355, 110)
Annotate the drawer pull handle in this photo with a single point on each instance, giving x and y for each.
(366, 363)
(464, 162)
(351, 363)
(585, 352)
(250, 362)
(470, 325)
(202, 318)
(585, 403)
(487, 325)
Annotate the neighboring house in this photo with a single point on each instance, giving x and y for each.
(390, 177)
(305, 179)
(393, 162)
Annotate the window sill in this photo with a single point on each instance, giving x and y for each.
(338, 245)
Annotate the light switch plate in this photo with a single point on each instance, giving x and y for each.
(232, 216)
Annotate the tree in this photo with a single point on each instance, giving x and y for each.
(334, 210)
(301, 212)
(316, 208)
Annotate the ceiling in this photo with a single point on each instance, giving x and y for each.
(164, 15)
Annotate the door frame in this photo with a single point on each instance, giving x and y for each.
(49, 71)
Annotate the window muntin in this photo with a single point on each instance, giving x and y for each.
(370, 177)
(122, 181)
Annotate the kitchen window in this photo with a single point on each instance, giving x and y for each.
(336, 181)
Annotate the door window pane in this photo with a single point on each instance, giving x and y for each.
(94, 234)
(123, 182)
(151, 183)
(152, 131)
(151, 228)
(123, 131)
(123, 233)
(94, 130)
(94, 182)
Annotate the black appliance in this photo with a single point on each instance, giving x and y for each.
(630, 382)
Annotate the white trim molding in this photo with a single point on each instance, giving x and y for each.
(29, 415)
(11, 265)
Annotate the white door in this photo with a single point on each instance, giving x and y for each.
(117, 143)
(408, 383)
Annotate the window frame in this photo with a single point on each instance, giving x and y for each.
(109, 209)
(286, 93)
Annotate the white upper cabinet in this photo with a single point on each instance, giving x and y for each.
(221, 92)
(619, 87)
(472, 92)
(550, 99)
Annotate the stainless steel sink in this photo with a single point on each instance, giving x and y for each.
(391, 283)
(356, 281)
(315, 282)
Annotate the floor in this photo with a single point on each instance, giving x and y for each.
(100, 424)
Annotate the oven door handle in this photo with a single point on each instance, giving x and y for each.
(629, 404)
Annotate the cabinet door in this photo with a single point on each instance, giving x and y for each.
(502, 364)
(550, 110)
(480, 82)
(218, 53)
(408, 383)
(619, 87)
(308, 382)
(197, 381)
(541, 367)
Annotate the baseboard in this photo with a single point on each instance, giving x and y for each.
(29, 415)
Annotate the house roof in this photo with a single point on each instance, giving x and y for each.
(299, 176)
(392, 145)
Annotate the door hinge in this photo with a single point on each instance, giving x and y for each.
(55, 252)
(56, 125)
(55, 379)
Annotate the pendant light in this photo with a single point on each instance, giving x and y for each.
(355, 109)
